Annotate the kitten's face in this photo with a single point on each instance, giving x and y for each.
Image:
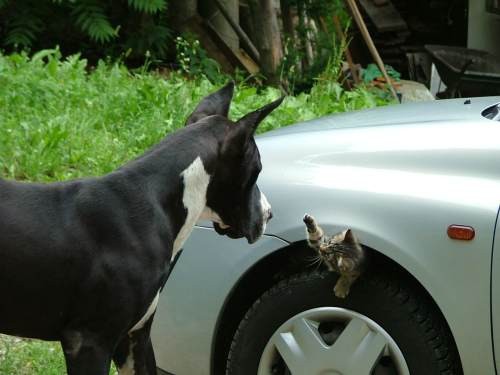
(338, 252)
(337, 258)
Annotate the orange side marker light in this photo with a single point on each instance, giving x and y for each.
(461, 232)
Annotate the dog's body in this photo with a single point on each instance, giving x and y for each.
(83, 261)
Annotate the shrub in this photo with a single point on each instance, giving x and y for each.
(57, 121)
(101, 28)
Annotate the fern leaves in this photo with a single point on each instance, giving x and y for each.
(148, 6)
(22, 29)
(71, 23)
(91, 18)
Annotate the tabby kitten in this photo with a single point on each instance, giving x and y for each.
(342, 253)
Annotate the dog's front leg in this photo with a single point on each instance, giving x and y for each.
(134, 354)
(85, 353)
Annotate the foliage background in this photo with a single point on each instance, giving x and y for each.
(101, 28)
(136, 31)
(58, 121)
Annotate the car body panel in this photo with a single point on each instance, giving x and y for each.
(194, 295)
(411, 113)
(398, 176)
(495, 291)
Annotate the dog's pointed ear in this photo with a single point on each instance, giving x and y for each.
(217, 103)
(252, 120)
(240, 133)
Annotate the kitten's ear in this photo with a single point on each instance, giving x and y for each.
(217, 103)
(349, 237)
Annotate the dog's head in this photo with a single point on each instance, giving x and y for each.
(234, 202)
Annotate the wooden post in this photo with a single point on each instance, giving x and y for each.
(369, 42)
(239, 31)
(267, 37)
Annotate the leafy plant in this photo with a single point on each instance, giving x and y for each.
(110, 27)
(296, 71)
(58, 121)
(91, 17)
(372, 72)
(22, 29)
(193, 59)
(148, 6)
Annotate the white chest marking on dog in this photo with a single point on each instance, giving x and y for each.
(150, 311)
(194, 197)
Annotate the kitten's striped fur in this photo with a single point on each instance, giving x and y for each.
(342, 253)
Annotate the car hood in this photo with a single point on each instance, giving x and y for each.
(411, 113)
(338, 161)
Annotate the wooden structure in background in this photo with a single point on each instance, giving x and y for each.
(384, 16)
(213, 32)
(371, 46)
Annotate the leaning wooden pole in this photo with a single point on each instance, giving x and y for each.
(342, 38)
(239, 31)
(369, 42)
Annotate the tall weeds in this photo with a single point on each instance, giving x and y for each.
(61, 119)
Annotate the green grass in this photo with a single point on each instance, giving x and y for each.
(26, 357)
(60, 119)
(57, 121)
(29, 357)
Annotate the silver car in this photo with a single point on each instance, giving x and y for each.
(419, 184)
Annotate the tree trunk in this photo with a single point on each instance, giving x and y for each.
(287, 18)
(308, 41)
(181, 11)
(267, 37)
(302, 34)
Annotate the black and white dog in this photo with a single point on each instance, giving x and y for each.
(82, 261)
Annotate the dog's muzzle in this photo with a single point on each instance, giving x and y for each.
(228, 231)
(231, 233)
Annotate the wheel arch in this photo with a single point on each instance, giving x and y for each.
(269, 270)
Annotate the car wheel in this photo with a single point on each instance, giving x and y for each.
(386, 325)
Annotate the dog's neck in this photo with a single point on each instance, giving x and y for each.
(194, 198)
(176, 177)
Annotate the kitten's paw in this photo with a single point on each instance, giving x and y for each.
(340, 291)
(310, 222)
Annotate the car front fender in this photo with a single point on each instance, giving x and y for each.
(195, 294)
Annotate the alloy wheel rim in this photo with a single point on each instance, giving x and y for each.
(331, 341)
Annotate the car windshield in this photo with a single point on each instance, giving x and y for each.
(492, 113)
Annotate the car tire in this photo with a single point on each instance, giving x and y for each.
(390, 299)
